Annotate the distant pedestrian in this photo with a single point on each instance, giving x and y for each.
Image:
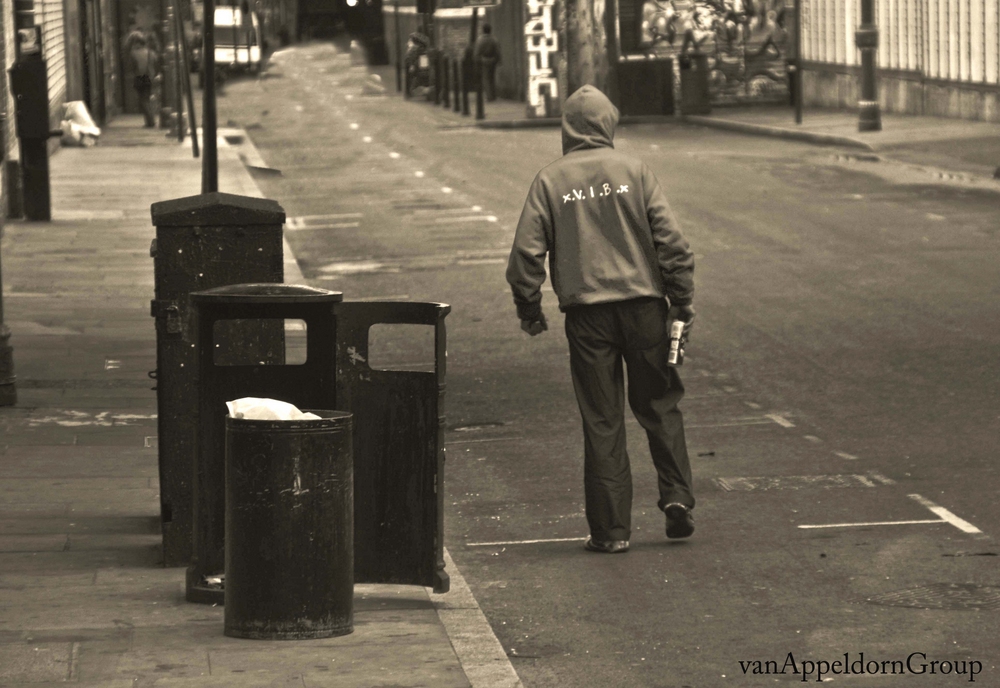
(145, 61)
(487, 55)
(620, 267)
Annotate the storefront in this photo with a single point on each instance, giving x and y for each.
(746, 42)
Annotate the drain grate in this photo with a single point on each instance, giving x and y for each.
(799, 482)
(943, 596)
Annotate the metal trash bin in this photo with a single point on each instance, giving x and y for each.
(222, 375)
(289, 527)
(695, 97)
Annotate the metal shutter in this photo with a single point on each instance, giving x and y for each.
(49, 16)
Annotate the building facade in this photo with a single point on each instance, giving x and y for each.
(935, 57)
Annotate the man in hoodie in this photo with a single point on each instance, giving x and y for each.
(621, 270)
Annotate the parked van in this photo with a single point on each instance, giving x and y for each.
(238, 45)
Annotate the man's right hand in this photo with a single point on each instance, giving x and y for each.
(685, 314)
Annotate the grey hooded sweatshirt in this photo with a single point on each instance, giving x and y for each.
(603, 220)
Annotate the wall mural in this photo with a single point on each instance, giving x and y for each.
(542, 42)
(746, 41)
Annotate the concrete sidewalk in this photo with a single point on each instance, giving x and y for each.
(83, 597)
(958, 145)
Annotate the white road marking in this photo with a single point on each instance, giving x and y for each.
(873, 523)
(735, 423)
(302, 221)
(523, 542)
(845, 455)
(945, 515)
(394, 155)
(813, 439)
(780, 420)
(483, 658)
(488, 439)
(337, 225)
(466, 218)
(367, 139)
(355, 125)
(418, 173)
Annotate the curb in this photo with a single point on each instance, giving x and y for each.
(538, 122)
(777, 132)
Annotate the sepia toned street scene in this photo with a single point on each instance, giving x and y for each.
(499, 344)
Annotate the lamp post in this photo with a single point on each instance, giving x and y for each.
(8, 392)
(210, 161)
(866, 39)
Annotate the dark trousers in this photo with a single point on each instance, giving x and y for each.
(600, 338)
(144, 89)
(489, 80)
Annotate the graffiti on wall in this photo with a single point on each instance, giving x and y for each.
(746, 42)
(542, 43)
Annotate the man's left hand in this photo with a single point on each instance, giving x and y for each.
(535, 327)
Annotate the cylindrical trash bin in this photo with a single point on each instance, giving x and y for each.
(695, 95)
(289, 527)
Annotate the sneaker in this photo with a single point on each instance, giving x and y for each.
(606, 546)
(680, 521)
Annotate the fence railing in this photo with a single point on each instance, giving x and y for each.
(951, 40)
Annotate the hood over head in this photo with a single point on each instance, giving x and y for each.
(588, 120)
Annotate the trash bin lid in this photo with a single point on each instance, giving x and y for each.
(267, 293)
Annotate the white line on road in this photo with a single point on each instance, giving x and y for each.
(488, 439)
(845, 455)
(733, 424)
(523, 542)
(946, 515)
(338, 225)
(780, 420)
(873, 523)
(483, 658)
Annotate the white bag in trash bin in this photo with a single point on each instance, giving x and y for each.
(252, 408)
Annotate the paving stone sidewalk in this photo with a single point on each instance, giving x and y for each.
(83, 597)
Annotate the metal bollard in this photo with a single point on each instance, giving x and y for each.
(456, 83)
(446, 82)
(480, 75)
(464, 72)
(289, 528)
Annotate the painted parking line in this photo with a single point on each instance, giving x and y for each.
(871, 523)
(945, 515)
(780, 420)
(523, 542)
(487, 439)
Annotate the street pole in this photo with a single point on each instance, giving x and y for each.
(399, 48)
(189, 96)
(8, 392)
(798, 62)
(866, 39)
(210, 161)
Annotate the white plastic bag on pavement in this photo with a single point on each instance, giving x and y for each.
(78, 127)
(252, 408)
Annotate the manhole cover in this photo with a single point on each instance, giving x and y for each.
(943, 596)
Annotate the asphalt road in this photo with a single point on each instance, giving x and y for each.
(843, 371)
